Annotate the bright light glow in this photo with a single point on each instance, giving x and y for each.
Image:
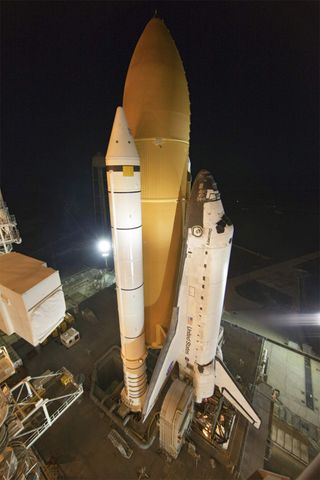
(104, 247)
(298, 319)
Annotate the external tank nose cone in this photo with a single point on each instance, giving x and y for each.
(156, 97)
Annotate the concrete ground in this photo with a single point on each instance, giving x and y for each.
(286, 372)
(78, 441)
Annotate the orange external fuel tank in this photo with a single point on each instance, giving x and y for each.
(157, 107)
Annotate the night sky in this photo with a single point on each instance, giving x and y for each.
(252, 70)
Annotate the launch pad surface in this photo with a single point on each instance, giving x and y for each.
(79, 444)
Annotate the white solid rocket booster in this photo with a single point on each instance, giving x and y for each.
(124, 191)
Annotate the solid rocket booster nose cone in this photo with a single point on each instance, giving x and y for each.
(156, 97)
(121, 148)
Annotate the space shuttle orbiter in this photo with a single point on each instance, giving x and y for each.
(193, 338)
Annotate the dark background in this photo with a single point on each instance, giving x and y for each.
(252, 69)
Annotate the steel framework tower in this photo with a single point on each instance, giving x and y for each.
(9, 233)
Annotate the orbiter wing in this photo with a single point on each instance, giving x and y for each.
(166, 360)
(233, 394)
(223, 378)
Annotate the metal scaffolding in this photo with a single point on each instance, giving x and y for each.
(37, 402)
(9, 233)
